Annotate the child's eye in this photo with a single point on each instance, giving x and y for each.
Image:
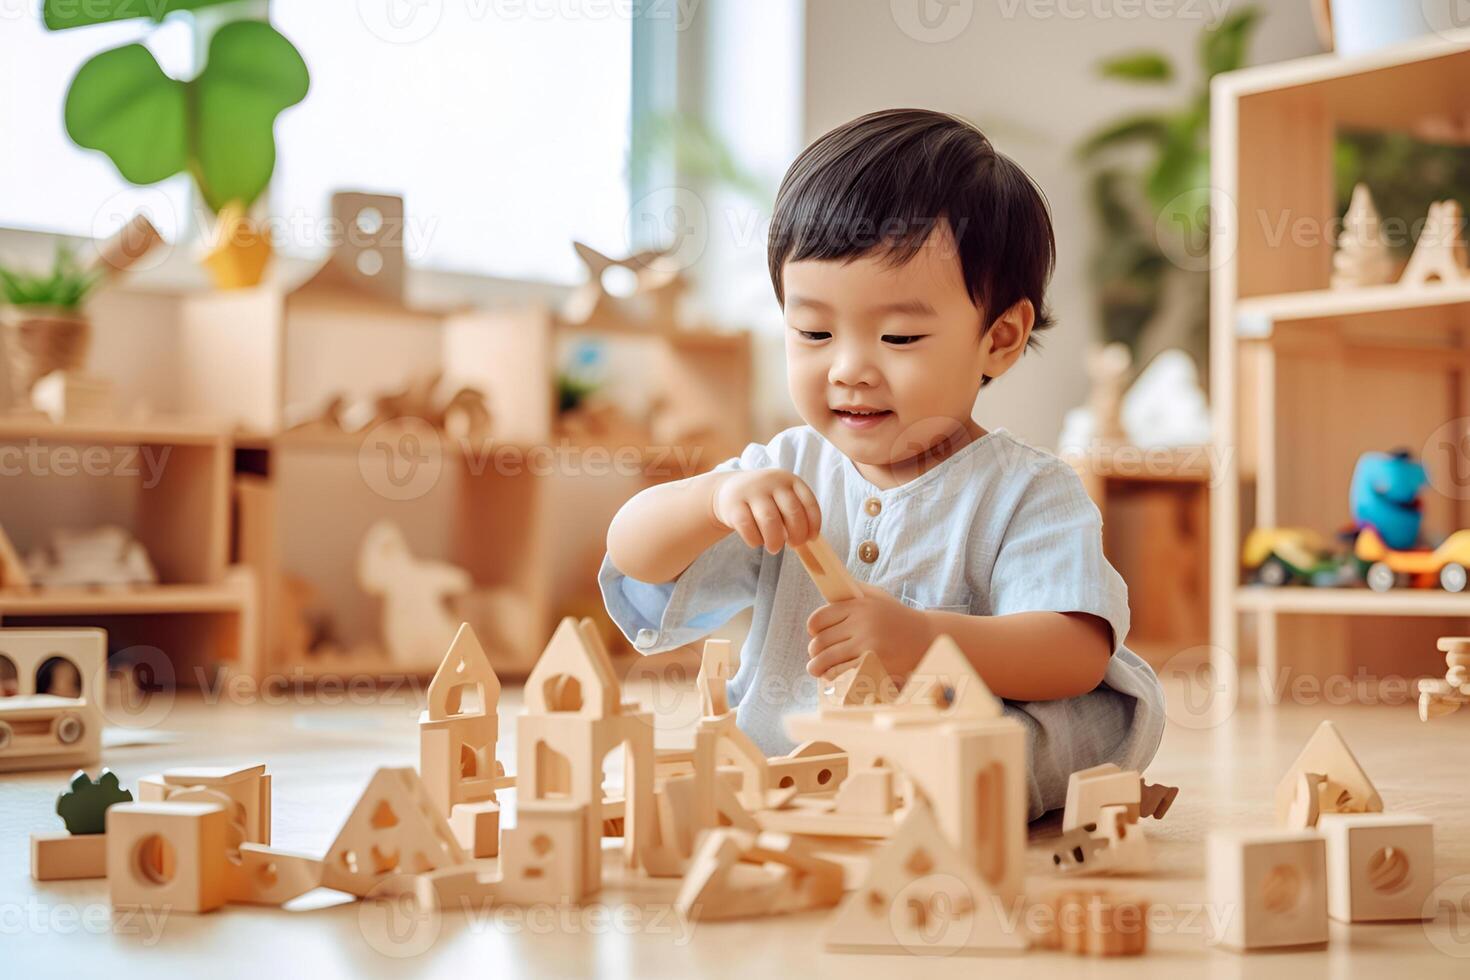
(813, 334)
(902, 339)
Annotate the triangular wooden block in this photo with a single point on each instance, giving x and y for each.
(574, 675)
(945, 679)
(736, 874)
(464, 664)
(921, 896)
(866, 682)
(395, 829)
(1346, 787)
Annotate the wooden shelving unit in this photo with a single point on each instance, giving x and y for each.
(1305, 378)
(202, 611)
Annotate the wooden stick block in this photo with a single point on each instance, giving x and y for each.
(1380, 866)
(828, 572)
(1155, 799)
(61, 856)
(270, 876)
(717, 664)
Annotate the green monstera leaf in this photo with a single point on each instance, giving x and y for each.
(219, 126)
(123, 104)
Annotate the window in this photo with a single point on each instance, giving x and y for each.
(504, 126)
(47, 182)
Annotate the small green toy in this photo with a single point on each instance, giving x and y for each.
(83, 808)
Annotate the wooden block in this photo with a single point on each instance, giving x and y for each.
(865, 682)
(168, 856)
(41, 730)
(868, 792)
(1440, 251)
(1127, 850)
(1346, 787)
(830, 575)
(1306, 805)
(270, 876)
(477, 828)
(1094, 923)
(809, 773)
(68, 397)
(737, 874)
(574, 675)
(1380, 866)
(1275, 883)
(544, 860)
(395, 828)
(1089, 790)
(61, 856)
(717, 664)
(247, 788)
(13, 574)
(1155, 799)
(1076, 850)
(946, 680)
(922, 897)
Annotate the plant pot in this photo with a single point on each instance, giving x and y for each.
(39, 340)
(239, 253)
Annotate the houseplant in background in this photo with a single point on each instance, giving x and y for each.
(217, 126)
(1150, 175)
(44, 327)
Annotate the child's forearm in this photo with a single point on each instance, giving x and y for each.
(659, 533)
(1031, 656)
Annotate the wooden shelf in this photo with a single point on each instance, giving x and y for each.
(1352, 602)
(1256, 316)
(155, 431)
(140, 601)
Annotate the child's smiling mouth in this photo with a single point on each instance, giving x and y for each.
(858, 417)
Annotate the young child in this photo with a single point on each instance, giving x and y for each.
(910, 259)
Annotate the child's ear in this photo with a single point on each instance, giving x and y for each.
(1005, 341)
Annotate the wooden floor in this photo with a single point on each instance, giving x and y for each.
(321, 755)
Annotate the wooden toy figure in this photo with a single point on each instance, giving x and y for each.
(417, 625)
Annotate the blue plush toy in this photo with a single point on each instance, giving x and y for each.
(1384, 495)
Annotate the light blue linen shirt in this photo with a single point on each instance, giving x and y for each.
(999, 527)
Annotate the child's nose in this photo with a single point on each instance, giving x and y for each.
(852, 367)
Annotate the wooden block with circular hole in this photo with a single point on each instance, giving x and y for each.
(1267, 888)
(1380, 866)
(168, 855)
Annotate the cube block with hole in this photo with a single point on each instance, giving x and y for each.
(542, 856)
(1267, 888)
(167, 855)
(1380, 866)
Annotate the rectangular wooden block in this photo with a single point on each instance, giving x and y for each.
(1380, 866)
(477, 828)
(1267, 887)
(62, 856)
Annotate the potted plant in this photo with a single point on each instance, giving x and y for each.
(218, 126)
(45, 329)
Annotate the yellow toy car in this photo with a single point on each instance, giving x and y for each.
(1278, 556)
(1417, 567)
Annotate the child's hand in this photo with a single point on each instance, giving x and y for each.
(767, 507)
(843, 631)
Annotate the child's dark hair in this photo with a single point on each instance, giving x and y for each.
(884, 180)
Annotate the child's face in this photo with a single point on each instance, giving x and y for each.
(886, 361)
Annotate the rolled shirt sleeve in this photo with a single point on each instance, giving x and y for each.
(1050, 557)
(718, 584)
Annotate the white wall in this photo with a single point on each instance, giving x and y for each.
(1023, 70)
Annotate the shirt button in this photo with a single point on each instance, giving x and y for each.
(873, 506)
(868, 552)
(646, 639)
